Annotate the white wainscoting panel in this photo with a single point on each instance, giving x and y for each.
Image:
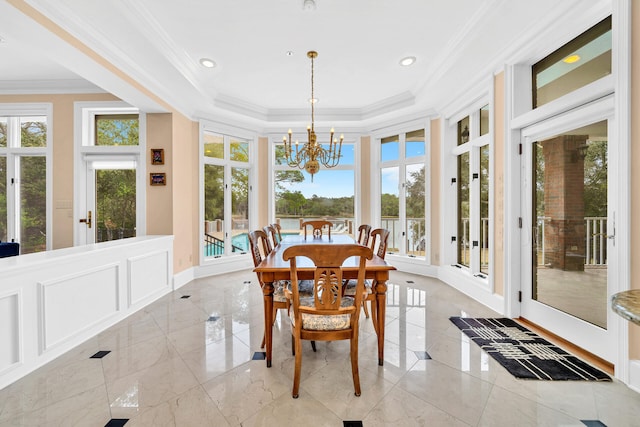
(10, 331)
(53, 301)
(75, 303)
(148, 274)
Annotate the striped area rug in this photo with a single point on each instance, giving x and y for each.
(525, 354)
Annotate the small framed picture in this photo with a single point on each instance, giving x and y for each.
(158, 178)
(157, 156)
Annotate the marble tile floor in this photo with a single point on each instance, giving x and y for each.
(187, 360)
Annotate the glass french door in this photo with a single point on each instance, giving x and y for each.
(111, 193)
(572, 235)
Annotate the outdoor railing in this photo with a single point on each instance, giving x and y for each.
(215, 247)
(595, 240)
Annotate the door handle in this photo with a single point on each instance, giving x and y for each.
(87, 220)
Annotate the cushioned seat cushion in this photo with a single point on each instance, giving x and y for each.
(350, 287)
(305, 288)
(315, 322)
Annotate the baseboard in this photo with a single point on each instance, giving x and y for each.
(634, 375)
(474, 287)
(184, 277)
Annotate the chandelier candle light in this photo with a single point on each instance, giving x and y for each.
(312, 154)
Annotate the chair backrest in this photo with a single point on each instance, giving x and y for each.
(327, 286)
(379, 237)
(8, 249)
(272, 234)
(258, 239)
(278, 230)
(363, 234)
(317, 226)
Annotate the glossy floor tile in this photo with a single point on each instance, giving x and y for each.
(188, 360)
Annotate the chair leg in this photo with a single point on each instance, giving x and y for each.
(354, 365)
(313, 345)
(374, 315)
(366, 310)
(264, 337)
(297, 368)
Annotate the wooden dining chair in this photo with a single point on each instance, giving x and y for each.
(317, 226)
(272, 234)
(327, 315)
(278, 230)
(258, 240)
(363, 234)
(379, 241)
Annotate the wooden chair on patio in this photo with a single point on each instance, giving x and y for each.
(317, 226)
(327, 315)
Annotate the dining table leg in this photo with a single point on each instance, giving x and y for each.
(267, 290)
(381, 304)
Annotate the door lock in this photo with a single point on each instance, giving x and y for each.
(87, 220)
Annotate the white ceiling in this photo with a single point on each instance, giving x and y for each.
(357, 73)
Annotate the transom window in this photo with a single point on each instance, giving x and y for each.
(583, 60)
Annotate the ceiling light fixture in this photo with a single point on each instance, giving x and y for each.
(309, 5)
(409, 60)
(207, 63)
(312, 154)
(571, 59)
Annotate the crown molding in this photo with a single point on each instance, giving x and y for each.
(33, 87)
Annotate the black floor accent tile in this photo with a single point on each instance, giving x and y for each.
(422, 355)
(246, 282)
(259, 355)
(352, 424)
(100, 354)
(116, 422)
(593, 423)
(410, 281)
(185, 296)
(213, 318)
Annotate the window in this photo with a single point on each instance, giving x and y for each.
(473, 183)
(23, 179)
(402, 192)
(116, 129)
(583, 60)
(330, 196)
(227, 170)
(110, 169)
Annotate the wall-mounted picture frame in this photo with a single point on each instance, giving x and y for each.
(157, 156)
(158, 178)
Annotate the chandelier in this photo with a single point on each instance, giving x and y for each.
(312, 154)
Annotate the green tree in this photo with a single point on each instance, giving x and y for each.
(117, 130)
(595, 179)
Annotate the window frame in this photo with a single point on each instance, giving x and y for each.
(228, 133)
(481, 96)
(402, 162)
(349, 139)
(13, 155)
(85, 150)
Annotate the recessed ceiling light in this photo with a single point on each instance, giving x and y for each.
(309, 5)
(405, 62)
(208, 63)
(571, 59)
(289, 53)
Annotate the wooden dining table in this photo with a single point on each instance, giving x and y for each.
(273, 268)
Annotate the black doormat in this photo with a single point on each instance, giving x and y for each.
(525, 354)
